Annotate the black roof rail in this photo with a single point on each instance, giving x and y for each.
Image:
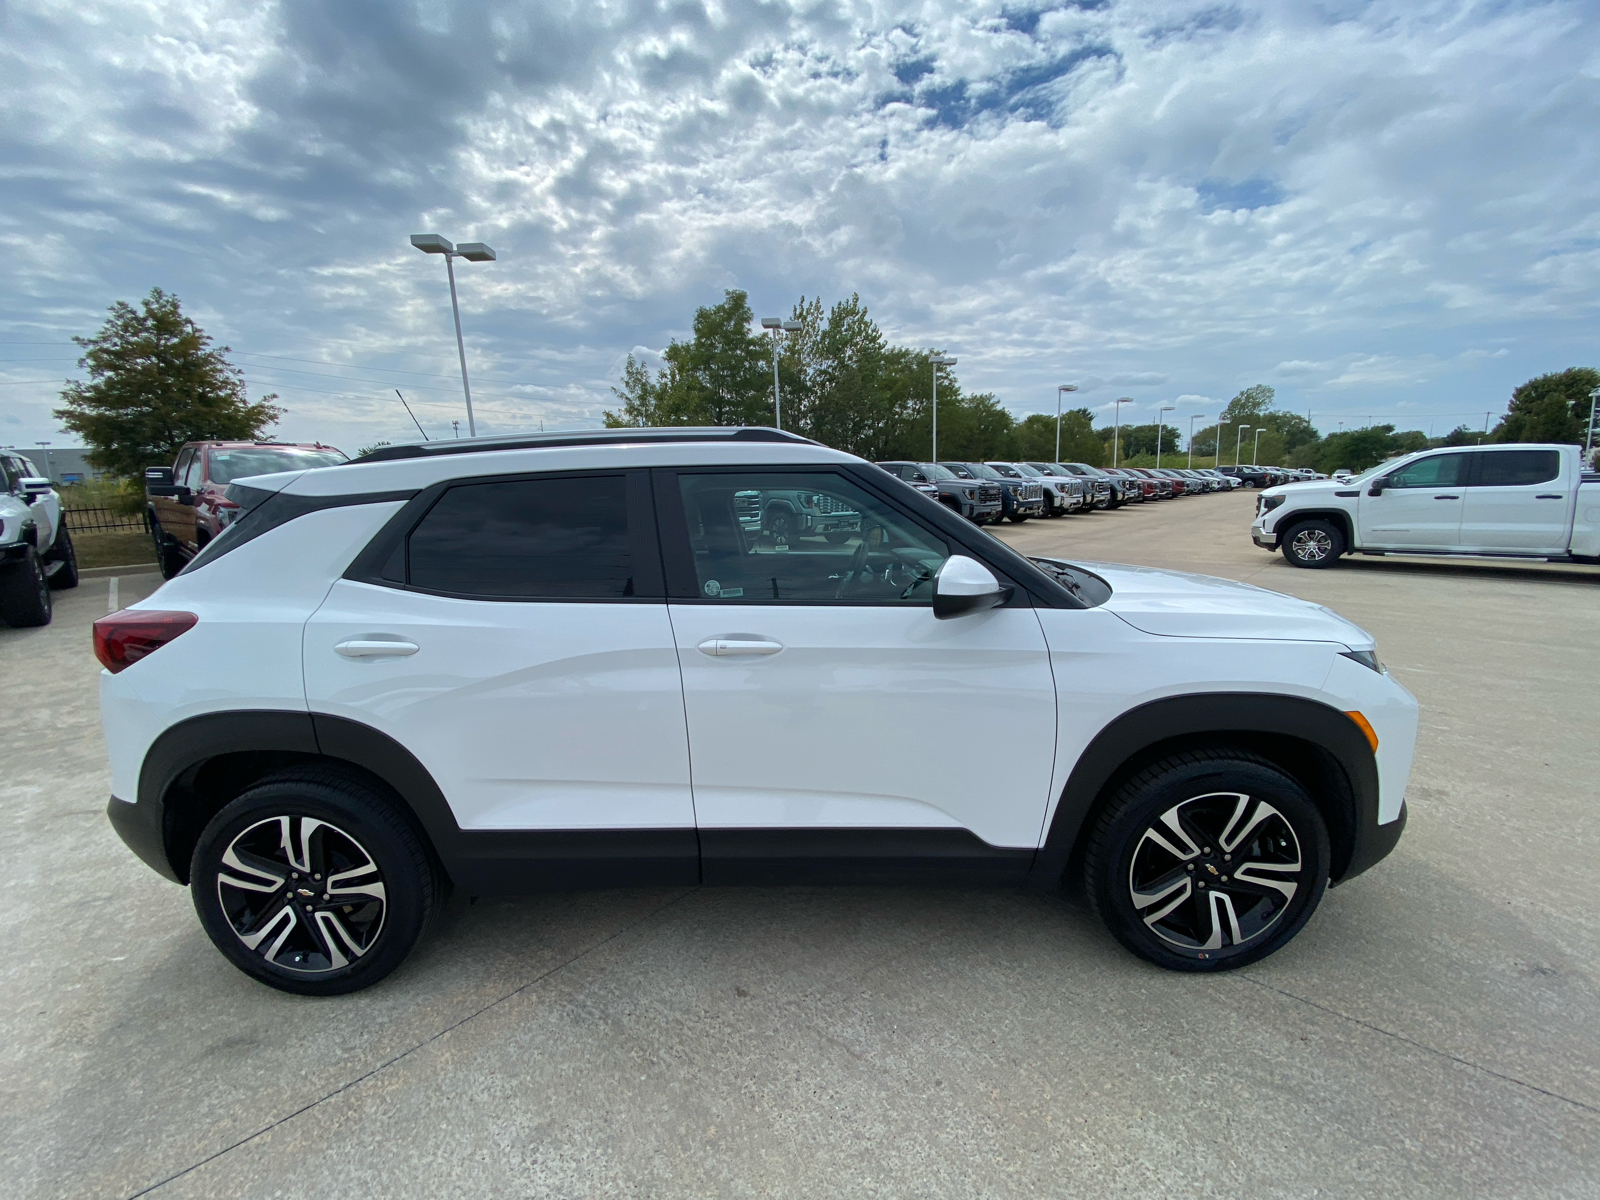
(587, 437)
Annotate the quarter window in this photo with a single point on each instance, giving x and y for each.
(804, 538)
(1517, 468)
(529, 539)
(1442, 470)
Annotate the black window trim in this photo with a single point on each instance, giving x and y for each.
(1030, 585)
(644, 544)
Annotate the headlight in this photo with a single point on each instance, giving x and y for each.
(1367, 658)
(1268, 503)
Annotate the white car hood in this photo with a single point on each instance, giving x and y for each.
(1174, 604)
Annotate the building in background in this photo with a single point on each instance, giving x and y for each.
(63, 464)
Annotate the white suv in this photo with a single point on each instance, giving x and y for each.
(36, 552)
(565, 661)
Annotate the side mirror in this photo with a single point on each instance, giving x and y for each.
(964, 585)
(33, 486)
(1377, 486)
(158, 481)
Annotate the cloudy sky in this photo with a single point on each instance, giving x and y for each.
(1382, 209)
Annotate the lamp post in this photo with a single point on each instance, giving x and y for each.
(938, 360)
(1256, 452)
(1116, 431)
(1237, 442)
(774, 324)
(1164, 409)
(1192, 420)
(432, 243)
(1065, 387)
(1588, 442)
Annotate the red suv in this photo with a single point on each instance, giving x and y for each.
(187, 502)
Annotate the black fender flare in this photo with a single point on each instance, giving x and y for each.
(1315, 742)
(162, 827)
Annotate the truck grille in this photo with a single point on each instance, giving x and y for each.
(989, 494)
(747, 506)
(828, 505)
(1030, 491)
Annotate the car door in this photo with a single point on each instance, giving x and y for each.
(1516, 501)
(835, 725)
(1418, 505)
(512, 634)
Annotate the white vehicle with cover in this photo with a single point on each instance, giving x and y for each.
(36, 553)
(1511, 501)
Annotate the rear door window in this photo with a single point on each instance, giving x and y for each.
(560, 538)
(1516, 468)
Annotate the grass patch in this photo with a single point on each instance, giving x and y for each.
(115, 548)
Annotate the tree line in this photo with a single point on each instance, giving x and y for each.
(156, 381)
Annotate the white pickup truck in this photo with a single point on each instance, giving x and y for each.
(1511, 501)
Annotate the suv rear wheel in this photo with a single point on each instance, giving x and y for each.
(1313, 544)
(1207, 861)
(66, 575)
(311, 883)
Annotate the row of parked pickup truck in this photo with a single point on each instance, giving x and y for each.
(990, 492)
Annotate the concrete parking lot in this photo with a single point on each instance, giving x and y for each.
(1433, 1032)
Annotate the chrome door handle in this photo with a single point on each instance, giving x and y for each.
(375, 648)
(1447, 497)
(739, 644)
(1549, 496)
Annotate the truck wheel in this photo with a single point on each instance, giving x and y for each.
(310, 883)
(1313, 544)
(1017, 518)
(167, 557)
(1207, 861)
(24, 592)
(66, 575)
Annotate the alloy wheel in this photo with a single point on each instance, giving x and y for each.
(1311, 545)
(303, 894)
(1215, 871)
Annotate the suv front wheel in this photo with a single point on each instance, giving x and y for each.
(1207, 861)
(311, 883)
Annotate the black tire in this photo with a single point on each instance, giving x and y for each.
(782, 526)
(1017, 518)
(1314, 545)
(168, 558)
(66, 575)
(339, 947)
(1134, 854)
(24, 592)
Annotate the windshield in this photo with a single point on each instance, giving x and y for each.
(1083, 469)
(1381, 468)
(959, 470)
(984, 471)
(1029, 471)
(1009, 471)
(228, 465)
(935, 471)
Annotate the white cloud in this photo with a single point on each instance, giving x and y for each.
(1137, 196)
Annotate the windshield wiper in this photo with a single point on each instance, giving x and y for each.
(1061, 574)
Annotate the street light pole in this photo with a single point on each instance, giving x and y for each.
(1159, 411)
(1237, 442)
(1116, 432)
(938, 360)
(1192, 420)
(1065, 387)
(774, 324)
(1588, 444)
(432, 243)
(1255, 453)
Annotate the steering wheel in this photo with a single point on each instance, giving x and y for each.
(871, 538)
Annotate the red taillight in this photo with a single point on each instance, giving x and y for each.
(123, 638)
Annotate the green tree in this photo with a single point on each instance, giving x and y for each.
(156, 382)
(1550, 408)
(721, 376)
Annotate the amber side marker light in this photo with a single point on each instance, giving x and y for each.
(124, 637)
(1366, 727)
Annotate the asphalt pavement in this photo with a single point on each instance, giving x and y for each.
(1432, 1032)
